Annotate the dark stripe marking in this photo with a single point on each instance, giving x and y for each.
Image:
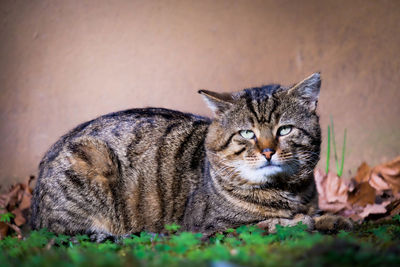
(237, 153)
(224, 146)
(275, 105)
(306, 133)
(251, 108)
(161, 186)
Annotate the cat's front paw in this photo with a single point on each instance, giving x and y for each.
(269, 225)
(329, 223)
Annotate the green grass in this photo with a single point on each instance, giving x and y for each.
(331, 137)
(369, 245)
(328, 150)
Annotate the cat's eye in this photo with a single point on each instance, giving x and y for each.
(248, 134)
(284, 130)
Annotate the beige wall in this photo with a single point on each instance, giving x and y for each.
(65, 62)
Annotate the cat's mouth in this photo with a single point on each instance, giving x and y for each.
(268, 164)
(262, 173)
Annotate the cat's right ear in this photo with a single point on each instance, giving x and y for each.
(307, 91)
(218, 102)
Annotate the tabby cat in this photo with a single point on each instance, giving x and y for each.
(140, 169)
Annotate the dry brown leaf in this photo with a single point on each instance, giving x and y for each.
(319, 177)
(332, 192)
(19, 218)
(363, 173)
(10, 199)
(25, 199)
(13, 196)
(390, 173)
(3, 230)
(17, 201)
(335, 189)
(372, 191)
(362, 195)
(378, 183)
(394, 207)
(374, 209)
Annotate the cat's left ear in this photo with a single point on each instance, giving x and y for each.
(218, 102)
(307, 91)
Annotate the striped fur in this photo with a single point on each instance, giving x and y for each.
(140, 169)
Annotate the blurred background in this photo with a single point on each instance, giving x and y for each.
(66, 62)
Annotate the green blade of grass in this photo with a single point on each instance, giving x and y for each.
(343, 151)
(334, 146)
(328, 150)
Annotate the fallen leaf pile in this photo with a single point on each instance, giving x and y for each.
(16, 202)
(373, 193)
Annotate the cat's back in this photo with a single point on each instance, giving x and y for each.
(131, 129)
(123, 164)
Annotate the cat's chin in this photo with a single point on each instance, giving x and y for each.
(260, 175)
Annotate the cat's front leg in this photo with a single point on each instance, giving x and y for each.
(329, 223)
(270, 224)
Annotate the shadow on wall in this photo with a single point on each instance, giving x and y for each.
(67, 62)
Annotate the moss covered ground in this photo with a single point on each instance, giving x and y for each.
(370, 244)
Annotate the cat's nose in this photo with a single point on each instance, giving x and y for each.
(268, 152)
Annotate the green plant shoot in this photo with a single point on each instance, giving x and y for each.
(328, 150)
(334, 146)
(331, 135)
(340, 172)
(6, 217)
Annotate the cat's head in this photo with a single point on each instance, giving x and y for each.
(266, 134)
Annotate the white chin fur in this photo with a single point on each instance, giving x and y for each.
(259, 175)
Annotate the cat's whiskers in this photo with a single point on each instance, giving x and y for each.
(292, 162)
(227, 169)
(226, 172)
